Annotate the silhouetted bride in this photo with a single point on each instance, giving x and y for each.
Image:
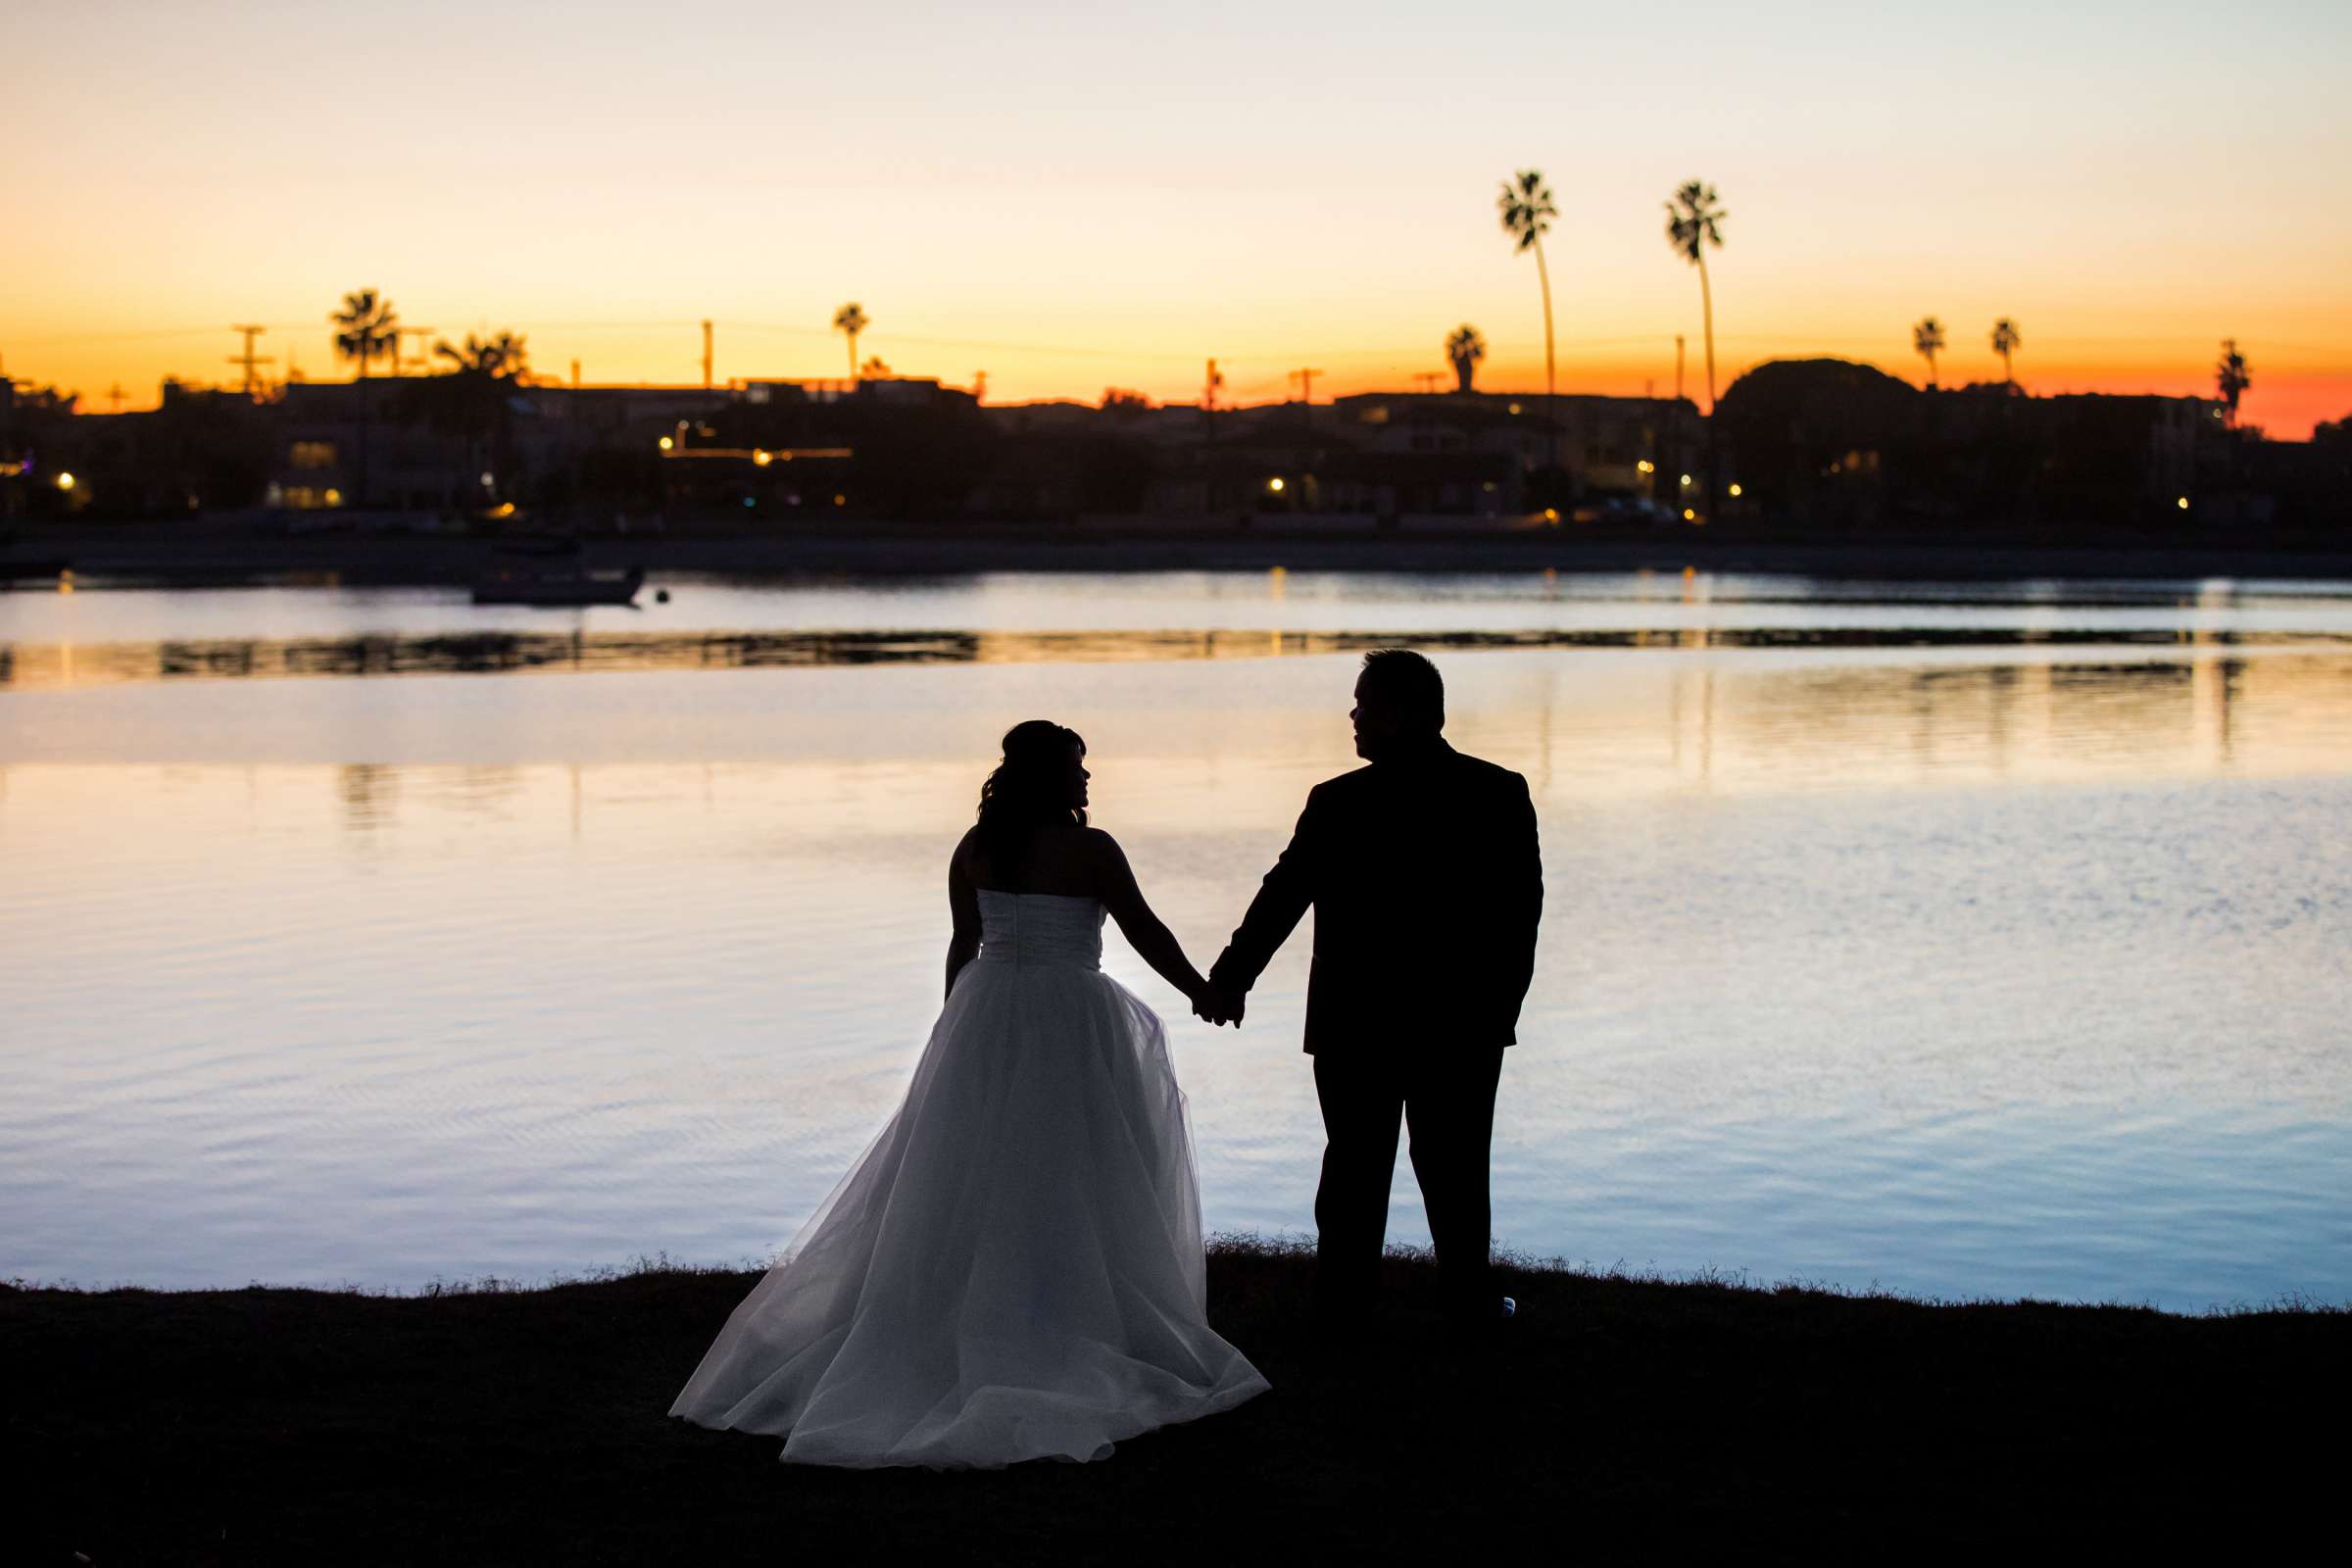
(1013, 1268)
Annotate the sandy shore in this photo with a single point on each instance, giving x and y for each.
(1638, 1417)
(198, 552)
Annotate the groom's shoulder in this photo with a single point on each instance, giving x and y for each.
(1484, 776)
(1340, 786)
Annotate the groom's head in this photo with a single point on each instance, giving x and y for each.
(1399, 701)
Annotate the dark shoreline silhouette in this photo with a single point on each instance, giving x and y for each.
(496, 1424)
(385, 554)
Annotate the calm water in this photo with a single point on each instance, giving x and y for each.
(1960, 940)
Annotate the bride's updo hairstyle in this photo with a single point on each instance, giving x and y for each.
(1030, 788)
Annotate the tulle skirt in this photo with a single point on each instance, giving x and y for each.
(1012, 1269)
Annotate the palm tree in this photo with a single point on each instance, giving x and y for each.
(1527, 213)
(851, 319)
(1694, 223)
(369, 324)
(2231, 376)
(470, 397)
(1465, 348)
(1927, 339)
(2007, 340)
(501, 357)
(366, 324)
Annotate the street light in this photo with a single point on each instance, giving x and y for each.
(665, 443)
(1734, 492)
(2182, 503)
(1275, 484)
(65, 481)
(1686, 481)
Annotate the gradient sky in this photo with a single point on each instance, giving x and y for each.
(1075, 196)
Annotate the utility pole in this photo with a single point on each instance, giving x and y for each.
(113, 396)
(705, 356)
(1306, 384)
(1678, 367)
(250, 360)
(1427, 381)
(575, 373)
(1210, 387)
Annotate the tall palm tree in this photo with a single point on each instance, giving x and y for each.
(851, 319)
(2231, 376)
(366, 325)
(2007, 340)
(1927, 338)
(1694, 223)
(1527, 213)
(1465, 348)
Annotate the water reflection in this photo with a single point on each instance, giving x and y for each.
(1963, 966)
(578, 650)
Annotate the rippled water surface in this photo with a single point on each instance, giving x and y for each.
(1961, 939)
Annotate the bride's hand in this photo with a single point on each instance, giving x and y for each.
(1215, 1005)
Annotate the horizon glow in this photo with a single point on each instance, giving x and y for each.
(1074, 201)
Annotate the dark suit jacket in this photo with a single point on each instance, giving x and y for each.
(1426, 883)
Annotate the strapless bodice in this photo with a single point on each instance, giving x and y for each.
(1040, 928)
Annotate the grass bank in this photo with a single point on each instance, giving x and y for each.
(1640, 1417)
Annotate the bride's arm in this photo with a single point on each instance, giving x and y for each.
(964, 906)
(1155, 943)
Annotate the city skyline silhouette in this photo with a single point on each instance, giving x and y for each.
(1115, 201)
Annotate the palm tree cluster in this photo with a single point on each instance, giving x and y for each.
(1928, 340)
(500, 358)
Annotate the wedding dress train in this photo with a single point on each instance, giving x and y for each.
(1012, 1270)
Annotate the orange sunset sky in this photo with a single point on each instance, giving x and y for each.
(1070, 197)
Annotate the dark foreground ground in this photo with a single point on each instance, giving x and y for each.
(1624, 1419)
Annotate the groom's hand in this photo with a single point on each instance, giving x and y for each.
(1222, 1006)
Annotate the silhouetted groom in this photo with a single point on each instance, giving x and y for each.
(1426, 884)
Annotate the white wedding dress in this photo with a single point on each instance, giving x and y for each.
(1013, 1269)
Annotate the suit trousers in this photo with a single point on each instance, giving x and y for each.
(1446, 1099)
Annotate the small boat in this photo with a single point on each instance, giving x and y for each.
(518, 585)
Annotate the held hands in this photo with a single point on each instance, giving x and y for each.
(1216, 1004)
